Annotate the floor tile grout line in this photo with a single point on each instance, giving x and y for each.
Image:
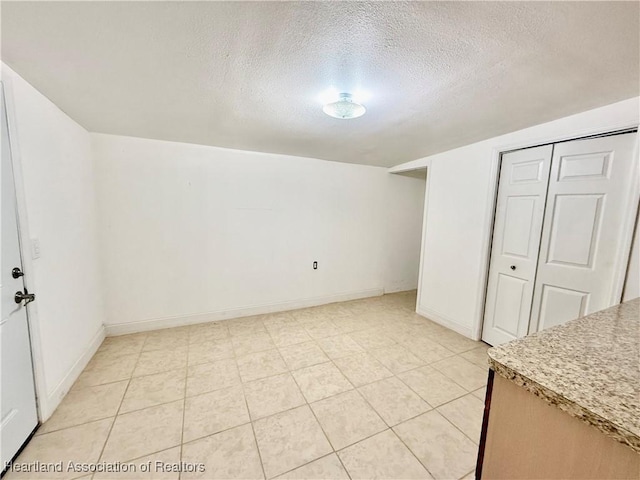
(184, 411)
(253, 430)
(475, 442)
(454, 399)
(225, 430)
(354, 385)
(155, 452)
(128, 411)
(414, 391)
(343, 465)
(187, 442)
(435, 409)
(364, 439)
(40, 431)
(104, 446)
(457, 383)
(173, 369)
(467, 392)
(371, 406)
(380, 415)
(146, 455)
(468, 473)
(77, 425)
(333, 452)
(412, 453)
(314, 414)
(374, 410)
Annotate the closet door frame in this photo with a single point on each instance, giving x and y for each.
(630, 216)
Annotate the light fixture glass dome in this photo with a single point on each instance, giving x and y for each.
(344, 108)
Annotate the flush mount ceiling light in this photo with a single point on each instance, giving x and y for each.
(345, 108)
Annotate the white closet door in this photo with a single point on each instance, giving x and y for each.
(522, 191)
(584, 229)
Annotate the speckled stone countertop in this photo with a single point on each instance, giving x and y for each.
(589, 367)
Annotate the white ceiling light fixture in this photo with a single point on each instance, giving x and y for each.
(345, 108)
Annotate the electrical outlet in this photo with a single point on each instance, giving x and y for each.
(35, 248)
(315, 265)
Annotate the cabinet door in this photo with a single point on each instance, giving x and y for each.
(522, 191)
(585, 233)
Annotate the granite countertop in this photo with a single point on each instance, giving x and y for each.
(588, 367)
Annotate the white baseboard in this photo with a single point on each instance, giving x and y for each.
(53, 399)
(446, 322)
(400, 289)
(179, 321)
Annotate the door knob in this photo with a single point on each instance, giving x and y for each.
(512, 267)
(26, 297)
(17, 273)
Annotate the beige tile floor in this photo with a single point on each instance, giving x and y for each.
(361, 389)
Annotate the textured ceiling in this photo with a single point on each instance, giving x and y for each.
(250, 75)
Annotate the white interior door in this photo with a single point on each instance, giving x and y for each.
(19, 416)
(522, 191)
(584, 232)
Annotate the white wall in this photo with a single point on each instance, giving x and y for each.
(459, 209)
(54, 155)
(192, 233)
(403, 230)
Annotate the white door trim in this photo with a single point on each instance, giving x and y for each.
(27, 262)
(633, 199)
(425, 207)
(492, 196)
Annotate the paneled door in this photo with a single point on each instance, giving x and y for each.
(584, 236)
(18, 396)
(522, 191)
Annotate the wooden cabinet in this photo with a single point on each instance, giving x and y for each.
(525, 437)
